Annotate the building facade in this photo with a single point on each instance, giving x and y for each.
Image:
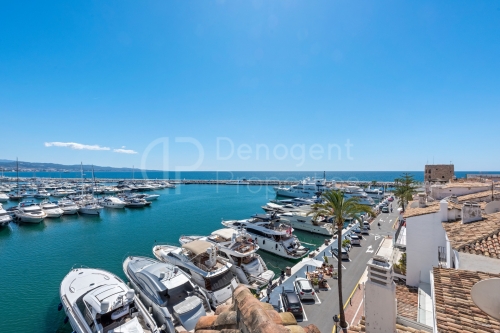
(439, 172)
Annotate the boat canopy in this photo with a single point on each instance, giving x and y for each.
(224, 233)
(197, 246)
(101, 299)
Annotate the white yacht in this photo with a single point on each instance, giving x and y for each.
(30, 212)
(60, 192)
(5, 217)
(41, 194)
(271, 235)
(51, 208)
(112, 202)
(97, 301)
(176, 302)
(306, 188)
(375, 193)
(199, 259)
(147, 197)
(90, 207)
(136, 203)
(68, 206)
(3, 197)
(356, 191)
(236, 248)
(299, 220)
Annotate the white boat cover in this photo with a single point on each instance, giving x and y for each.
(226, 233)
(197, 246)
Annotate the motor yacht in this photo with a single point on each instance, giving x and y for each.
(356, 191)
(41, 194)
(176, 302)
(136, 203)
(375, 193)
(97, 301)
(5, 217)
(112, 202)
(147, 197)
(3, 197)
(199, 259)
(237, 248)
(69, 207)
(306, 188)
(51, 208)
(30, 212)
(89, 207)
(271, 235)
(61, 192)
(299, 220)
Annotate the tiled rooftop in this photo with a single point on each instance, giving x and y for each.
(478, 196)
(455, 310)
(480, 237)
(467, 184)
(432, 207)
(407, 298)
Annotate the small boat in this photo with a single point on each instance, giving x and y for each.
(41, 194)
(112, 202)
(3, 197)
(89, 208)
(136, 203)
(5, 217)
(147, 197)
(51, 208)
(68, 206)
(176, 302)
(98, 301)
(30, 212)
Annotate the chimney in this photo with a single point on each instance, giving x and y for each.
(471, 212)
(422, 202)
(443, 210)
(380, 297)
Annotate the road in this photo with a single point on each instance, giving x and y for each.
(321, 313)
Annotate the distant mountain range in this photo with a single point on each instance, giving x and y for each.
(9, 165)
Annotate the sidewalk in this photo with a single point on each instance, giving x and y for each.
(354, 307)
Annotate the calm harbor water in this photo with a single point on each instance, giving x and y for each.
(35, 258)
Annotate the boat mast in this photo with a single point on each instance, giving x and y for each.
(81, 174)
(17, 173)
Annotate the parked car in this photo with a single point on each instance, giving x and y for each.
(355, 239)
(345, 255)
(390, 199)
(291, 302)
(356, 231)
(385, 209)
(383, 204)
(365, 231)
(366, 224)
(304, 288)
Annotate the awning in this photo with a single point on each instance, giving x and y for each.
(224, 233)
(197, 246)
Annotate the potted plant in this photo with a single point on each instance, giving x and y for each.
(315, 283)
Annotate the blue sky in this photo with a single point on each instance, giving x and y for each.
(401, 83)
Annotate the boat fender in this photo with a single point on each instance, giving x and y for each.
(59, 307)
(66, 320)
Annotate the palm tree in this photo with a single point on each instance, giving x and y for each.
(405, 188)
(337, 206)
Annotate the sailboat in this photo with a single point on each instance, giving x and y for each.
(16, 195)
(89, 206)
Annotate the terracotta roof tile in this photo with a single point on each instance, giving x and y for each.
(486, 195)
(407, 298)
(480, 237)
(455, 310)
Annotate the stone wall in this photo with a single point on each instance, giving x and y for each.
(247, 314)
(441, 172)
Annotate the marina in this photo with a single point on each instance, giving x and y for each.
(104, 241)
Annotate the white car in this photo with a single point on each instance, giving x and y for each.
(304, 288)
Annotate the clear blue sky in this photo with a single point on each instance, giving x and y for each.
(406, 82)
